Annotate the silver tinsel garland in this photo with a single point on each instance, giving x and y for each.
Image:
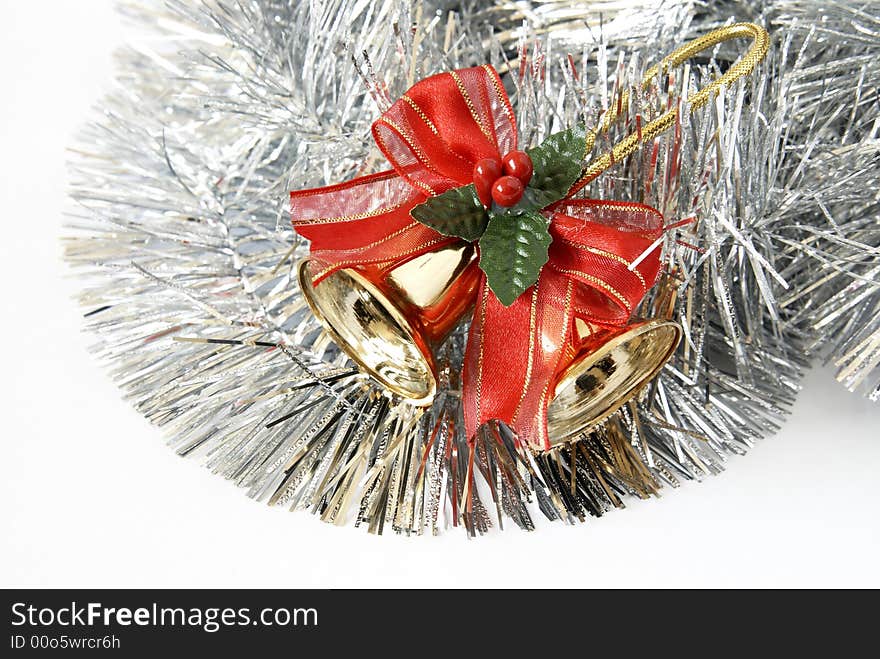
(181, 233)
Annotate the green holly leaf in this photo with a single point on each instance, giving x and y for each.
(558, 163)
(456, 212)
(512, 252)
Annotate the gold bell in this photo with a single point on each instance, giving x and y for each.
(610, 368)
(390, 322)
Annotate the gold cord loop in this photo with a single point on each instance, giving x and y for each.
(627, 146)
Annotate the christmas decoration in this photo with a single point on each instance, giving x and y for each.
(746, 199)
(444, 138)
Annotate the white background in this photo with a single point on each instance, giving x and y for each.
(90, 495)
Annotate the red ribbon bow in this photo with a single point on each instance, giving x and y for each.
(433, 136)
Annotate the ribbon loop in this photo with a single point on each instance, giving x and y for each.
(432, 136)
(435, 134)
(363, 221)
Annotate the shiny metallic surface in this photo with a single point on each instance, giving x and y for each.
(373, 332)
(435, 290)
(389, 322)
(615, 367)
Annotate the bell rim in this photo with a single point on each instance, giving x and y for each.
(308, 290)
(633, 330)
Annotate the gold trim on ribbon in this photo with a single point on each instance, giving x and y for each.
(533, 315)
(430, 124)
(419, 153)
(483, 303)
(600, 283)
(471, 107)
(569, 291)
(609, 255)
(346, 264)
(349, 218)
(501, 93)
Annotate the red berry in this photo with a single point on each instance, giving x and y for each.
(518, 164)
(507, 191)
(486, 172)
